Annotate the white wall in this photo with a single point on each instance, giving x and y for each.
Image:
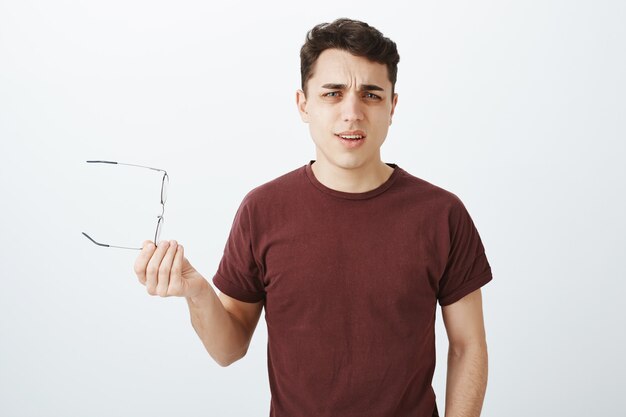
(517, 107)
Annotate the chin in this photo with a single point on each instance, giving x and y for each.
(347, 161)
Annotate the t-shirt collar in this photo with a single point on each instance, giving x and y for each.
(352, 196)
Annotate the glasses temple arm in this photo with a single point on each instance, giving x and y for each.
(121, 163)
(108, 246)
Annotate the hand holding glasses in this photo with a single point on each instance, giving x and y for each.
(159, 227)
(163, 269)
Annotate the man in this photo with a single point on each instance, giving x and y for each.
(348, 255)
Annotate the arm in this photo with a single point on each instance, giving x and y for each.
(233, 320)
(225, 326)
(467, 356)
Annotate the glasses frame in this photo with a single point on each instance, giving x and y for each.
(160, 218)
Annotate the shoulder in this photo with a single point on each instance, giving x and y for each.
(275, 190)
(434, 195)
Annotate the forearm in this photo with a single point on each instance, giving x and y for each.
(222, 335)
(466, 381)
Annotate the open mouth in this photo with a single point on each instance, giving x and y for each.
(351, 139)
(351, 135)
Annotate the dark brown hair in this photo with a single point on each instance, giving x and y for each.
(353, 36)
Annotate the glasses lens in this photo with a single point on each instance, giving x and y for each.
(157, 235)
(166, 181)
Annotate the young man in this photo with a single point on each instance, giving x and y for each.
(348, 255)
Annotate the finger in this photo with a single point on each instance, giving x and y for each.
(176, 276)
(142, 260)
(165, 268)
(152, 271)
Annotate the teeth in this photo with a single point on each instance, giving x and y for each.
(351, 136)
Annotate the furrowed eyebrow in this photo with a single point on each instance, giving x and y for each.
(371, 87)
(331, 86)
(363, 87)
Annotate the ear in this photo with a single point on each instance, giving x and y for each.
(393, 106)
(301, 103)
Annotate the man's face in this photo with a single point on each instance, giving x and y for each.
(347, 96)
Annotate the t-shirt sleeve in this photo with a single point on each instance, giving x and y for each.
(467, 268)
(238, 273)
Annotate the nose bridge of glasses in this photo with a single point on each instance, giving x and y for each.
(157, 233)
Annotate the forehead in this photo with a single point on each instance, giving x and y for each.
(338, 66)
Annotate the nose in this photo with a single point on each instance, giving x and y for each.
(351, 109)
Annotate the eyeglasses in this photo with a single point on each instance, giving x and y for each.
(164, 184)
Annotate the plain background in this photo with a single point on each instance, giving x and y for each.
(515, 106)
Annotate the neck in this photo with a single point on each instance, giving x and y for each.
(351, 180)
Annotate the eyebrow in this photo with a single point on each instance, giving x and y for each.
(363, 87)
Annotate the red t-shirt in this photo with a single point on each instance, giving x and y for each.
(350, 283)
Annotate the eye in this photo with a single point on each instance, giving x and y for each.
(372, 96)
(331, 94)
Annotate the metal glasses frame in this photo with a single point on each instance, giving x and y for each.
(164, 182)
